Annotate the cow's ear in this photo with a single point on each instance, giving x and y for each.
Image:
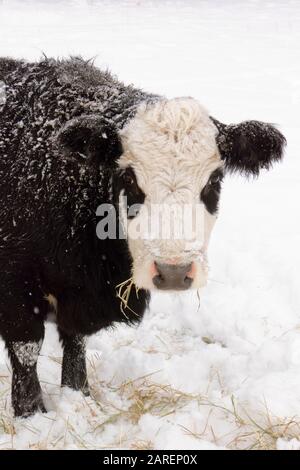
(249, 146)
(90, 139)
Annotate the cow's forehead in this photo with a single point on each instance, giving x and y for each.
(168, 136)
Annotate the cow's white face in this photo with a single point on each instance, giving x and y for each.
(170, 165)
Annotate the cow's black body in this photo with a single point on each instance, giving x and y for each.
(48, 242)
(59, 145)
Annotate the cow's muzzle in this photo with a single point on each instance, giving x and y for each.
(173, 276)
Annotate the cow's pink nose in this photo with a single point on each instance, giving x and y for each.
(172, 276)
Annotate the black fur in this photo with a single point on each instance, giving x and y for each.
(7, 66)
(58, 148)
(74, 367)
(90, 138)
(249, 146)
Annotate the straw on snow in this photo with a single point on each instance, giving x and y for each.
(123, 293)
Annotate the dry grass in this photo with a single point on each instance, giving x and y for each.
(261, 430)
(250, 429)
(246, 428)
(123, 293)
(7, 424)
(156, 399)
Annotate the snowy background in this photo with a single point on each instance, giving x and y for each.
(226, 374)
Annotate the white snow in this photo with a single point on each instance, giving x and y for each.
(226, 374)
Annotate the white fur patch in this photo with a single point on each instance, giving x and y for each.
(171, 146)
(27, 353)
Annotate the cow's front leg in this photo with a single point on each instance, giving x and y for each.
(26, 390)
(74, 365)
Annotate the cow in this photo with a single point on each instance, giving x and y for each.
(72, 139)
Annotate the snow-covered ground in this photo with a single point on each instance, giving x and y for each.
(226, 374)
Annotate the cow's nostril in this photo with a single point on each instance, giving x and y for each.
(173, 277)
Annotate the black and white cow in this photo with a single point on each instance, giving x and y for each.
(72, 138)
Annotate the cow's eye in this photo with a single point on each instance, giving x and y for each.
(215, 179)
(129, 180)
(132, 191)
(211, 192)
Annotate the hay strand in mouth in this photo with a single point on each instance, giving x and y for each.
(123, 293)
(199, 301)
